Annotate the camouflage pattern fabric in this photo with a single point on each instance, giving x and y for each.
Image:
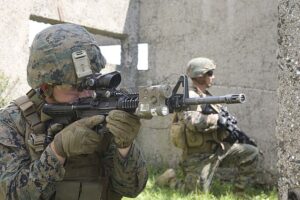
(23, 178)
(50, 59)
(199, 169)
(205, 151)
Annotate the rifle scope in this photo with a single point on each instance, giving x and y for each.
(100, 81)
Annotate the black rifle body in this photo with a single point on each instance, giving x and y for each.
(230, 125)
(149, 101)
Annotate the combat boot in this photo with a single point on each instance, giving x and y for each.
(165, 178)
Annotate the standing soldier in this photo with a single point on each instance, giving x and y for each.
(204, 143)
(79, 163)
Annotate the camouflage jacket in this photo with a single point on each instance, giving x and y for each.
(24, 178)
(201, 130)
(195, 120)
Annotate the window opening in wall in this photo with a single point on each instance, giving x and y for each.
(143, 57)
(112, 53)
(34, 28)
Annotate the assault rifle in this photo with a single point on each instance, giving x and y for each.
(158, 100)
(229, 123)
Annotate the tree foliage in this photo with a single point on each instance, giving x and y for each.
(4, 81)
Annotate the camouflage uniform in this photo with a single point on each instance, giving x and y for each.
(28, 172)
(24, 178)
(204, 150)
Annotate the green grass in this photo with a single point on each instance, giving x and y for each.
(219, 191)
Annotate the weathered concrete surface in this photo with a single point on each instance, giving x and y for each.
(14, 50)
(240, 36)
(288, 96)
(108, 16)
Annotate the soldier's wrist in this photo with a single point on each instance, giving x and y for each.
(57, 143)
(60, 158)
(124, 151)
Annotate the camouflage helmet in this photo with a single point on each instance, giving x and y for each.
(197, 67)
(63, 54)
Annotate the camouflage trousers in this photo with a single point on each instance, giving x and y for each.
(199, 169)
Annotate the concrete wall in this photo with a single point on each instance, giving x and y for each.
(94, 14)
(14, 49)
(240, 36)
(288, 97)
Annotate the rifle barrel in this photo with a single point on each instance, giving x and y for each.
(228, 99)
(63, 110)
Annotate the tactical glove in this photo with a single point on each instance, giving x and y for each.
(78, 138)
(124, 127)
(212, 119)
(222, 121)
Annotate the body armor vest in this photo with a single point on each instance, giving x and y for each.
(193, 140)
(85, 176)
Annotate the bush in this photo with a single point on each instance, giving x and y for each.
(3, 86)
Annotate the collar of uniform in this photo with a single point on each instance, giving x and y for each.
(202, 94)
(37, 98)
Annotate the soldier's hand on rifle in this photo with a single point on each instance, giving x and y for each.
(78, 138)
(124, 127)
(222, 121)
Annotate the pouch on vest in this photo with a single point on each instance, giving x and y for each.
(35, 128)
(177, 134)
(177, 131)
(194, 139)
(74, 190)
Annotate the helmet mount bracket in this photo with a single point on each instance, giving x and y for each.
(82, 64)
